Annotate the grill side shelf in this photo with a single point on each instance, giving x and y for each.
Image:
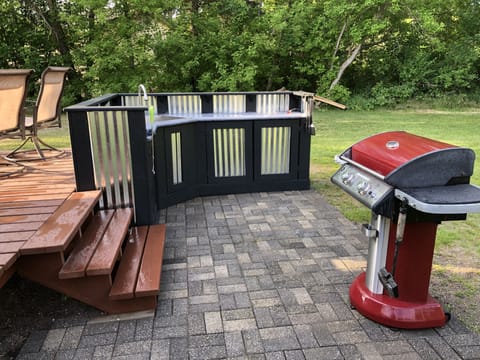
(453, 199)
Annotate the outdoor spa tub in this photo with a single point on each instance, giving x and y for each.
(152, 151)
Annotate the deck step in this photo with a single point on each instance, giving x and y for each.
(126, 277)
(109, 248)
(76, 264)
(58, 231)
(140, 270)
(148, 282)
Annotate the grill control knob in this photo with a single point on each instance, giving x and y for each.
(347, 178)
(363, 188)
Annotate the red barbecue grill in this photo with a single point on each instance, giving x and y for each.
(411, 184)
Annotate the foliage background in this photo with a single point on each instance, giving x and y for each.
(365, 53)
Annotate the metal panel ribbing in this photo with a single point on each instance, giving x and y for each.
(229, 104)
(184, 104)
(275, 157)
(135, 100)
(272, 103)
(229, 152)
(111, 157)
(176, 140)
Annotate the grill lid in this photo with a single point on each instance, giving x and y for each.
(387, 151)
(431, 176)
(405, 160)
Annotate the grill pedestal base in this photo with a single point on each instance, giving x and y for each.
(393, 312)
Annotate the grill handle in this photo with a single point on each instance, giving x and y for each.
(343, 159)
(402, 220)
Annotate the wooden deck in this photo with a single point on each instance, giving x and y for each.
(27, 200)
(59, 238)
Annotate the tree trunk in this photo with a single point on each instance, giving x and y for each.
(51, 20)
(337, 45)
(345, 65)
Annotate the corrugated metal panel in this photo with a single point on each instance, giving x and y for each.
(135, 100)
(229, 152)
(176, 139)
(275, 150)
(272, 103)
(184, 104)
(111, 157)
(228, 104)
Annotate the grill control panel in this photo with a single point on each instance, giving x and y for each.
(364, 187)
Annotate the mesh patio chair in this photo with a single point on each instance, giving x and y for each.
(13, 90)
(46, 114)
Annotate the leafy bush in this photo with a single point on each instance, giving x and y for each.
(339, 93)
(386, 99)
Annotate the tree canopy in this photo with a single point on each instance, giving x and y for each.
(387, 50)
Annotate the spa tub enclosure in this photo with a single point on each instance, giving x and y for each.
(191, 144)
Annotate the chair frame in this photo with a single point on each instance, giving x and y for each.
(32, 125)
(21, 76)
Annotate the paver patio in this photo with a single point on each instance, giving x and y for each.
(254, 276)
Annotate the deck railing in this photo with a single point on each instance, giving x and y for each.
(109, 138)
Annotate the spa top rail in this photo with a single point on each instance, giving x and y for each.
(118, 101)
(92, 104)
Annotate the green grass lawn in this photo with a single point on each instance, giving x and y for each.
(57, 137)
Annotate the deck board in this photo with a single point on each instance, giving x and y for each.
(148, 283)
(18, 218)
(7, 205)
(7, 259)
(27, 211)
(109, 248)
(126, 278)
(77, 263)
(58, 231)
(28, 199)
(15, 227)
(15, 236)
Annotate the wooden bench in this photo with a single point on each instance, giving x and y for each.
(139, 272)
(57, 232)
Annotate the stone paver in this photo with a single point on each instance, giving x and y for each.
(254, 276)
